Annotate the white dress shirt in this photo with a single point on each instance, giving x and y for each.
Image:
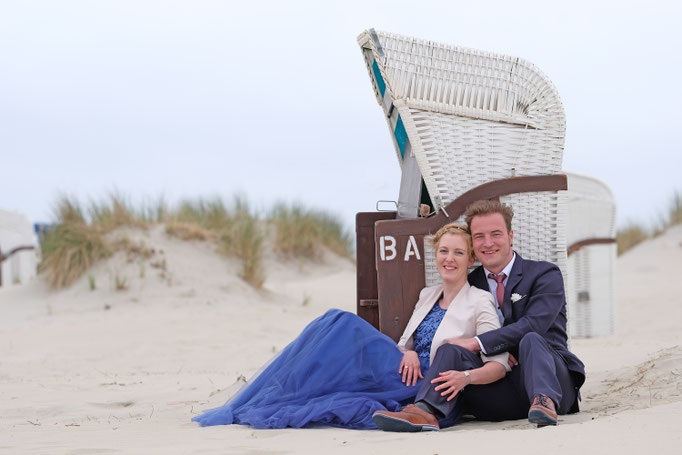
(492, 284)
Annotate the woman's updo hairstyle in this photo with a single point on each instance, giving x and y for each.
(455, 229)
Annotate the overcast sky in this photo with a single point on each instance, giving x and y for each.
(272, 100)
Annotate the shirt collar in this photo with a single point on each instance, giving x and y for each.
(506, 270)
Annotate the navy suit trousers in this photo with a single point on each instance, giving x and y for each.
(541, 370)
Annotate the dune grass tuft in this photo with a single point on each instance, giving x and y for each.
(72, 246)
(209, 214)
(630, 236)
(243, 237)
(674, 213)
(153, 211)
(634, 233)
(187, 231)
(114, 213)
(237, 229)
(301, 232)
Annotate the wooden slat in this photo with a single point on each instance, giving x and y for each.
(456, 208)
(399, 283)
(366, 264)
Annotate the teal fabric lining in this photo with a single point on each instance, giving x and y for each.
(401, 136)
(380, 80)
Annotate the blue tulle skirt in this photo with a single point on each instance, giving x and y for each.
(337, 372)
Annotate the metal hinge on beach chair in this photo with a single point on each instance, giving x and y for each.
(466, 125)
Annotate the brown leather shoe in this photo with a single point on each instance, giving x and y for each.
(410, 419)
(542, 411)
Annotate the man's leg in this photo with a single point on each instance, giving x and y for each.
(545, 374)
(448, 357)
(504, 399)
(429, 404)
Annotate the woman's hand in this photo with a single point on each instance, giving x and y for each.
(452, 382)
(410, 368)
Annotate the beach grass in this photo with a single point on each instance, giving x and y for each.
(243, 238)
(209, 214)
(303, 232)
(674, 210)
(236, 227)
(630, 236)
(114, 212)
(79, 239)
(72, 247)
(633, 233)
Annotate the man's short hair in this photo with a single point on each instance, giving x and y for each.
(485, 207)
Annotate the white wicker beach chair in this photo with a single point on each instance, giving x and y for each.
(591, 231)
(466, 125)
(18, 261)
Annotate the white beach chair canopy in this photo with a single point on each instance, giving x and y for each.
(468, 116)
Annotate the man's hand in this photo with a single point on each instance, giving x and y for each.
(467, 343)
(512, 361)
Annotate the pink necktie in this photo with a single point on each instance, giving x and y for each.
(500, 287)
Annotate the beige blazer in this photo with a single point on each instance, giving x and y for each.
(471, 313)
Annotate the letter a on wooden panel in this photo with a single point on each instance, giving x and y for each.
(411, 249)
(384, 247)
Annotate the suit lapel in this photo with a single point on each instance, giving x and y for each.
(478, 279)
(514, 278)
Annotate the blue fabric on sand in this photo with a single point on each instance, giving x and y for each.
(337, 372)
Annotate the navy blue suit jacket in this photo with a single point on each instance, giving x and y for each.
(541, 309)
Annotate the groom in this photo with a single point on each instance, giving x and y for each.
(531, 304)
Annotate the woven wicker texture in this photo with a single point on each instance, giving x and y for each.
(591, 286)
(471, 116)
(591, 209)
(539, 231)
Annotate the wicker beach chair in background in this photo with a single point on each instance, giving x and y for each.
(591, 230)
(18, 260)
(466, 125)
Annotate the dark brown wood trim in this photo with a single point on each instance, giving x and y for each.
(582, 243)
(366, 272)
(456, 208)
(367, 219)
(15, 250)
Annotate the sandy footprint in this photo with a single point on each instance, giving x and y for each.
(652, 383)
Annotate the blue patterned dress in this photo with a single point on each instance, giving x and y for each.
(337, 372)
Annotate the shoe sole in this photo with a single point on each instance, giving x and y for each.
(542, 419)
(388, 423)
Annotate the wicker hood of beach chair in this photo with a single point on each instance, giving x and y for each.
(592, 252)
(466, 125)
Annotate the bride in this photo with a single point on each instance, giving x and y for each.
(340, 369)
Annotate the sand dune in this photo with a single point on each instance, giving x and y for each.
(123, 371)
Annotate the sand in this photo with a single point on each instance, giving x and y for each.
(123, 371)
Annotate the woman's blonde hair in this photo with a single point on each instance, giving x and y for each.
(455, 229)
